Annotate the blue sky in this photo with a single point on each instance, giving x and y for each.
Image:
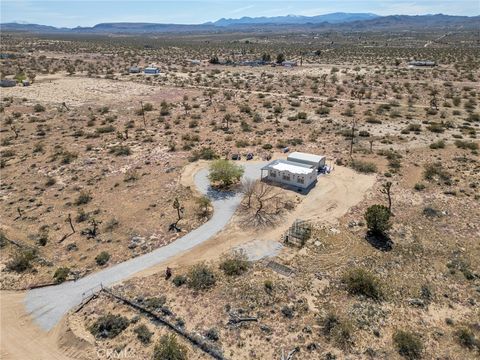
(71, 13)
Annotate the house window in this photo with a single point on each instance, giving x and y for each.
(301, 180)
(286, 177)
(273, 174)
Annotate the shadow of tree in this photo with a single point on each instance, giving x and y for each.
(379, 241)
(216, 194)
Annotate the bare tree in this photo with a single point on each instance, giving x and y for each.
(262, 204)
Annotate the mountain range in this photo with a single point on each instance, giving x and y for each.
(333, 21)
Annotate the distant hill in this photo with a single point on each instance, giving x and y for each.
(334, 21)
(407, 22)
(333, 18)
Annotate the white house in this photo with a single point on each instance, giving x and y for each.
(316, 161)
(290, 173)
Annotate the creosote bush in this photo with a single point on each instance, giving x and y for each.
(235, 264)
(61, 274)
(83, 198)
(466, 338)
(143, 334)
(363, 166)
(201, 277)
(22, 261)
(168, 348)
(102, 258)
(179, 280)
(337, 329)
(361, 282)
(408, 344)
(109, 326)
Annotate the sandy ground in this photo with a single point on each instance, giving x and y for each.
(81, 90)
(20, 338)
(329, 200)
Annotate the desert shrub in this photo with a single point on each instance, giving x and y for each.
(440, 144)
(419, 186)
(105, 129)
(205, 153)
(363, 166)
(408, 345)
(340, 331)
(168, 348)
(42, 237)
(241, 143)
(81, 216)
(201, 277)
(39, 108)
(224, 173)
(68, 157)
(212, 334)
(143, 334)
(267, 146)
(155, 303)
(108, 326)
(235, 264)
(120, 150)
(436, 128)
(361, 282)
(466, 145)
(322, 110)
(83, 198)
(102, 258)
(428, 211)
(61, 274)
(111, 224)
(179, 280)
(372, 120)
(378, 219)
(435, 170)
(466, 338)
(288, 311)
(268, 285)
(3, 239)
(50, 181)
(22, 261)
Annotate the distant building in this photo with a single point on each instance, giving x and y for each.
(8, 83)
(290, 173)
(422, 63)
(134, 70)
(151, 70)
(195, 62)
(316, 161)
(25, 83)
(289, 63)
(253, 63)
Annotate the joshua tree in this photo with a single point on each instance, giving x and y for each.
(386, 189)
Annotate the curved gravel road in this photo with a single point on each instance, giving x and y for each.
(48, 305)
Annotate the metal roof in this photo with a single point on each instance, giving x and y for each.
(305, 157)
(290, 166)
